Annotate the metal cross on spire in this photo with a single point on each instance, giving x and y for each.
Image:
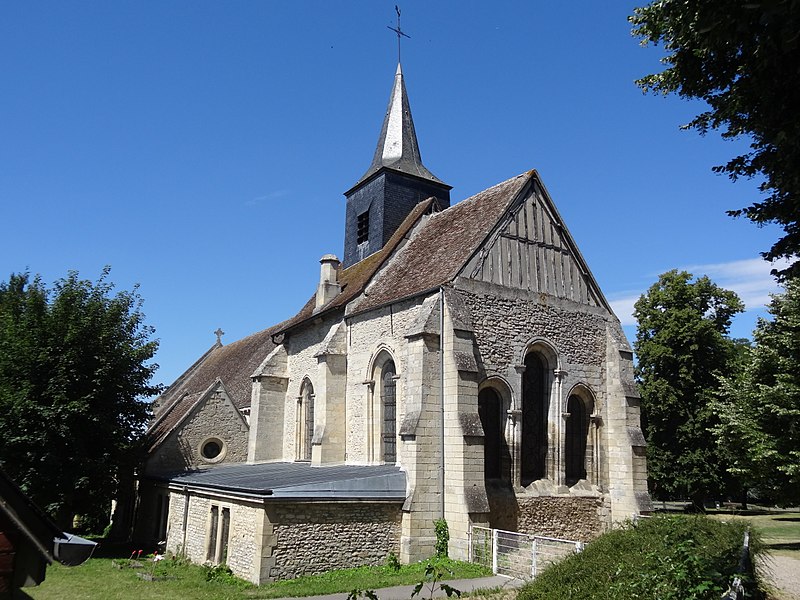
(400, 33)
(219, 333)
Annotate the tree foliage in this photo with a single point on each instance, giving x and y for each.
(73, 373)
(682, 347)
(740, 58)
(759, 429)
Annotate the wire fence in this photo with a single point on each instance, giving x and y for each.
(515, 554)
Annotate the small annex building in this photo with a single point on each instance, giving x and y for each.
(459, 362)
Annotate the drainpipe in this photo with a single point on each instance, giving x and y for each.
(441, 397)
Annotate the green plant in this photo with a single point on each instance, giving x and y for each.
(220, 573)
(359, 593)
(442, 537)
(662, 558)
(434, 573)
(392, 562)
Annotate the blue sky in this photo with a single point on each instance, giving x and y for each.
(202, 148)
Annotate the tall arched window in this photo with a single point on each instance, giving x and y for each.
(496, 457)
(576, 439)
(305, 421)
(535, 406)
(389, 406)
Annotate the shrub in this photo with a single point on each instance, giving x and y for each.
(442, 537)
(392, 562)
(663, 558)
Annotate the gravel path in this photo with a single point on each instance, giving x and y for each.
(784, 575)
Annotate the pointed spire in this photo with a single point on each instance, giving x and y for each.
(397, 145)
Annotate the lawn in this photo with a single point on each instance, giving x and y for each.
(780, 530)
(98, 579)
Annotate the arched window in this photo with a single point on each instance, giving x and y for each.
(305, 420)
(496, 457)
(389, 404)
(576, 439)
(535, 407)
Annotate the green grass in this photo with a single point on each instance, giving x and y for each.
(98, 579)
(780, 530)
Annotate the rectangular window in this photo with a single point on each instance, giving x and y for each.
(218, 533)
(212, 534)
(363, 228)
(223, 536)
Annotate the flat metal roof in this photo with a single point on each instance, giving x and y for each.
(297, 480)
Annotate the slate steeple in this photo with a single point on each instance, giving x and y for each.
(393, 184)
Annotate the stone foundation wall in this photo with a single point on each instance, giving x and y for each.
(562, 517)
(316, 537)
(567, 517)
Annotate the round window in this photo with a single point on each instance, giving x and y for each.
(212, 450)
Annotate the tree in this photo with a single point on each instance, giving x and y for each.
(759, 411)
(740, 58)
(682, 347)
(73, 374)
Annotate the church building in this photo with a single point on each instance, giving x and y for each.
(458, 362)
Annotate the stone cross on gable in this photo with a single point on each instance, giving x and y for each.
(219, 333)
(400, 33)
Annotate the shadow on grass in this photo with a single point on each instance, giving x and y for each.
(792, 519)
(111, 549)
(783, 546)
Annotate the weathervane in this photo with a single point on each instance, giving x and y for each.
(400, 33)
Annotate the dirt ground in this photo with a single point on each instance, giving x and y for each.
(783, 573)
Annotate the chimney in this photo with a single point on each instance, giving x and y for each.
(328, 280)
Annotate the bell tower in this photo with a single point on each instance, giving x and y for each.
(395, 182)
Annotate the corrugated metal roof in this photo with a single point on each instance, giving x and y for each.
(299, 480)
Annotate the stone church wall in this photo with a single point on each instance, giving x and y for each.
(316, 537)
(579, 518)
(191, 539)
(506, 319)
(302, 347)
(383, 328)
(216, 418)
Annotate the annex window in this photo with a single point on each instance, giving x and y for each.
(362, 227)
(535, 408)
(496, 458)
(577, 449)
(305, 421)
(218, 534)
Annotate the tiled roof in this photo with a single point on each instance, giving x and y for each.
(355, 278)
(438, 251)
(232, 364)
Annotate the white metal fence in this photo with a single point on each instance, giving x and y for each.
(517, 555)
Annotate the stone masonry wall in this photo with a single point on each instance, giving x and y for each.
(384, 328)
(573, 518)
(566, 517)
(302, 346)
(316, 537)
(245, 537)
(505, 320)
(215, 418)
